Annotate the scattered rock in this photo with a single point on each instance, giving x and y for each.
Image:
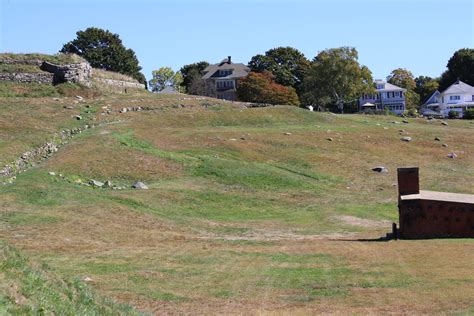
(79, 97)
(452, 155)
(329, 139)
(445, 145)
(242, 138)
(78, 117)
(96, 183)
(437, 139)
(232, 139)
(402, 131)
(395, 122)
(445, 123)
(87, 279)
(405, 121)
(124, 110)
(140, 185)
(287, 134)
(380, 169)
(51, 173)
(385, 128)
(108, 184)
(69, 107)
(406, 139)
(56, 99)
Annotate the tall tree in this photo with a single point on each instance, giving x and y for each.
(336, 78)
(261, 88)
(460, 66)
(425, 87)
(165, 77)
(192, 74)
(103, 49)
(403, 78)
(287, 64)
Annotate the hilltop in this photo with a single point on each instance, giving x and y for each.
(248, 209)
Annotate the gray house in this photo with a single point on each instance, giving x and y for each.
(387, 96)
(222, 79)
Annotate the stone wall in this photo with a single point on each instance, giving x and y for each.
(40, 77)
(120, 83)
(75, 73)
(55, 74)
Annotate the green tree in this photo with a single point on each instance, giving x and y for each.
(425, 87)
(403, 78)
(192, 74)
(165, 77)
(104, 50)
(336, 78)
(261, 88)
(460, 66)
(287, 64)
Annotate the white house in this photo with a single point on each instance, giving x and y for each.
(458, 97)
(387, 96)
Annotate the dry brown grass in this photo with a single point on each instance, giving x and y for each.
(207, 243)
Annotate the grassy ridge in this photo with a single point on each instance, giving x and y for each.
(27, 289)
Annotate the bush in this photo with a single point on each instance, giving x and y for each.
(411, 113)
(453, 114)
(468, 114)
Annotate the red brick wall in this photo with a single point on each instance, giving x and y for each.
(434, 219)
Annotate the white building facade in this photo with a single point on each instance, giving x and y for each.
(387, 96)
(459, 97)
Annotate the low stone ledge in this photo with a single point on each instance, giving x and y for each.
(23, 77)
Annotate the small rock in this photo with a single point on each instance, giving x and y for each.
(380, 169)
(56, 99)
(108, 184)
(79, 97)
(51, 173)
(78, 117)
(405, 121)
(140, 185)
(445, 145)
(329, 139)
(124, 110)
(406, 139)
(402, 131)
(445, 123)
(87, 279)
(88, 106)
(378, 124)
(96, 183)
(69, 107)
(452, 155)
(385, 128)
(437, 139)
(287, 134)
(232, 139)
(395, 122)
(242, 138)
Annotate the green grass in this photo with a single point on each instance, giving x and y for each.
(56, 59)
(31, 90)
(19, 68)
(39, 292)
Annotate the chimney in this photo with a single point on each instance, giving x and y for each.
(229, 59)
(408, 181)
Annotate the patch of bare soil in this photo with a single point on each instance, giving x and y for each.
(361, 222)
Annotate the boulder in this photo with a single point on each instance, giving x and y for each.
(329, 139)
(380, 169)
(406, 139)
(78, 117)
(445, 123)
(140, 185)
(452, 155)
(96, 183)
(437, 139)
(108, 184)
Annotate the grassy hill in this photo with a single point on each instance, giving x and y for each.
(248, 209)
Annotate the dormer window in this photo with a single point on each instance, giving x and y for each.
(223, 73)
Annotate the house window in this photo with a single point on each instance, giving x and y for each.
(454, 97)
(473, 97)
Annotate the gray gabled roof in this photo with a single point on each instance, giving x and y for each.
(431, 99)
(459, 87)
(238, 70)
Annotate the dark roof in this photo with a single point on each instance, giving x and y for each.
(239, 70)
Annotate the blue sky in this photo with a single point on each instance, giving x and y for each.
(420, 35)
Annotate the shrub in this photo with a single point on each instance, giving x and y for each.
(453, 114)
(469, 114)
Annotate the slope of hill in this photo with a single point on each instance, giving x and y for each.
(248, 209)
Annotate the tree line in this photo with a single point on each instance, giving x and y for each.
(334, 79)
